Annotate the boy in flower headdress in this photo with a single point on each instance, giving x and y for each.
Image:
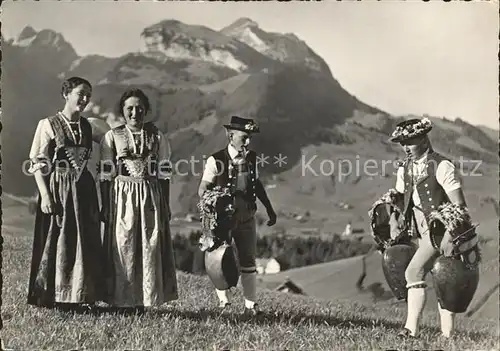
(235, 167)
(427, 180)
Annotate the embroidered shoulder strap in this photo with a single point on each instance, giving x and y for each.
(123, 142)
(86, 134)
(121, 139)
(152, 139)
(58, 128)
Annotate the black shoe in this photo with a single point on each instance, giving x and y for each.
(252, 312)
(87, 308)
(405, 334)
(65, 307)
(224, 305)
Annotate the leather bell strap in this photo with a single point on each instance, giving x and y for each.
(466, 246)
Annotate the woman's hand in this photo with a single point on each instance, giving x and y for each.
(47, 205)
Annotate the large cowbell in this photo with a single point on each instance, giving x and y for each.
(396, 254)
(221, 265)
(380, 225)
(395, 260)
(455, 278)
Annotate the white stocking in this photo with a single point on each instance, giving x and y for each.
(416, 303)
(249, 283)
(447, 321)
(222, 295)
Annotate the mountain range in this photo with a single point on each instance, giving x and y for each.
(196, 78)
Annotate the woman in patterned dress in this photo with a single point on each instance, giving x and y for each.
(66, 257)
(134, 172)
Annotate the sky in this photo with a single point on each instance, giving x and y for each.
(402, 57)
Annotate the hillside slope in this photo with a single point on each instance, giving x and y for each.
(193, 322)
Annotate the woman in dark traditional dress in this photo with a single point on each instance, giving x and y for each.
(134, 180)
(66, 257)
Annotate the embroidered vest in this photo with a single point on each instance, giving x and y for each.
(68, 149)
(139, 164)
(227, 174)
(430, 192)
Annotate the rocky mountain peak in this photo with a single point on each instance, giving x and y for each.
(48, 37)
(180, 41)
(175, 31)
(46, 51)
(238, 25)
(45, 40)
(286, 48)
(26, 33)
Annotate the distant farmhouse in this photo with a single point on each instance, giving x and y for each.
(267, 266)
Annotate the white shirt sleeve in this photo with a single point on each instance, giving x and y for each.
(40, 155)
(400, 180)
(210, 171)
(107, 165)
(43, 135)
(447, 176)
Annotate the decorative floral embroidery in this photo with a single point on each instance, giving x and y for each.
(139, 160)
(77, 156)
(136, 167)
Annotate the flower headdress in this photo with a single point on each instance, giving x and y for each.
(410, 129)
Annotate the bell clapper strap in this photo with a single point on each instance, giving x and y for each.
(456, 238)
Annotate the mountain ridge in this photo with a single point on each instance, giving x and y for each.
(296, 103)
(287, 48)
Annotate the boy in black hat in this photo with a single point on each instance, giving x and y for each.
(427, 180)
(236, 167)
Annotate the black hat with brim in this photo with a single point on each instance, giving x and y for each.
(243, 124)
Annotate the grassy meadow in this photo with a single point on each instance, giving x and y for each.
(288, 322)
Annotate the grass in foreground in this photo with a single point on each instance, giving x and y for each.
(289, 322)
